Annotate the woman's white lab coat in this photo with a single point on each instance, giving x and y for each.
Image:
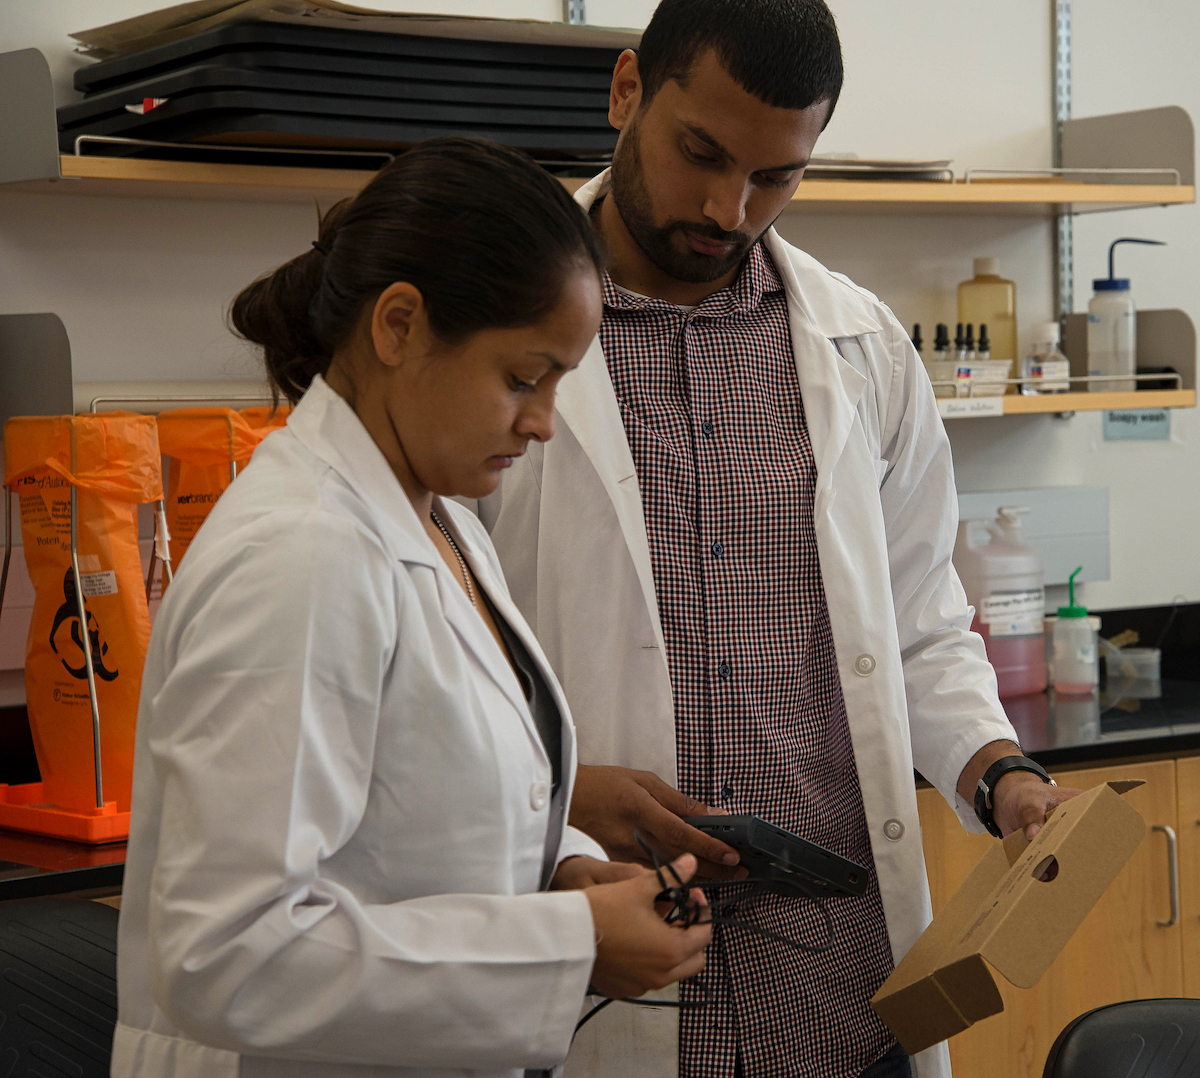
(341, 802)
(916, 681)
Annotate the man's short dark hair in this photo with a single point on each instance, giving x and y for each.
(784, 52)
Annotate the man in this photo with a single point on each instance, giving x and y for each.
(736, 553)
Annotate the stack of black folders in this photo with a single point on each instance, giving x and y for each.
(264, 84)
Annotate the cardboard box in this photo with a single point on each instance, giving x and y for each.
(1007, 917)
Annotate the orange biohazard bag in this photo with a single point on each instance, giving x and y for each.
(112, 462)
(207, 447)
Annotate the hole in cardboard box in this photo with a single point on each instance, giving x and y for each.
(1046, 869)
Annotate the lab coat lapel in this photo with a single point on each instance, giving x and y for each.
(471, 630)
(829, 386)
(587, 403)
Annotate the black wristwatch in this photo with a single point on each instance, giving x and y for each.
(983, 792)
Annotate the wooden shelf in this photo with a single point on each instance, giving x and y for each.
(121, 177)
(1041, 404)
(1024, 198)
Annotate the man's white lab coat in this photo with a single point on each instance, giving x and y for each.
(569, 528)
(341, 801)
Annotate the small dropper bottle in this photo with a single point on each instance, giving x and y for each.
(916, 338)
(984, 349)
(970, 343)
(960, 349)
(941, 344)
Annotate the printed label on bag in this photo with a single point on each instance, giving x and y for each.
(96, 584)
(1013, 606)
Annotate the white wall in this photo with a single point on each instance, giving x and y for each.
(143, 285)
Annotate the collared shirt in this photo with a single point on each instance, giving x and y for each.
(715, 422)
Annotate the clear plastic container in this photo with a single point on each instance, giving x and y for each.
(1005, 581)
(1047, 370)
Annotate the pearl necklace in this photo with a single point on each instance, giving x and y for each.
(462, 564)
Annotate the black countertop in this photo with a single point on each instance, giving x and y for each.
(1119, 722)
(31, 865)
(1123, 720)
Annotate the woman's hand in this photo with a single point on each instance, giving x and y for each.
(636, 949)
(578, 872)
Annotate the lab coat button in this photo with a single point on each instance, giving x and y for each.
(893, 830)
(539, 793)
(864, 665)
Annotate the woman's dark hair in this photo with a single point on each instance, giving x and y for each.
(784, 52)
(482, 232)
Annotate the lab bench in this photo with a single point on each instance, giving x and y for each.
(1141, 940)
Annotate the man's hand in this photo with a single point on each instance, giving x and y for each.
(1021, 799)
(578, 872)
(612, 803)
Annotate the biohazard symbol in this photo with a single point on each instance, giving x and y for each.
(69, 611)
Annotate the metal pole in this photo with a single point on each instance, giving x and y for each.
(1064, 253)
(7, 544)
(87, 647)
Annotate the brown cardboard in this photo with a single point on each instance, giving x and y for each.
(1005, 918)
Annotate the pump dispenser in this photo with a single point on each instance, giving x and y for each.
(1005, 581)
(1076, 669)
(1112, 329)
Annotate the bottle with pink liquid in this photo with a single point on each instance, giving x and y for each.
(1005, 581)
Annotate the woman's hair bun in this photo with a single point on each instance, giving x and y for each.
(481, 231)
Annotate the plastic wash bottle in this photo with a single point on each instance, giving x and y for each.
(1112, 329)
(1005, 581)
(1076, 664)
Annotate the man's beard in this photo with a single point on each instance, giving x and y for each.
(632, 200)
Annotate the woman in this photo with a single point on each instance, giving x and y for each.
(349, 853)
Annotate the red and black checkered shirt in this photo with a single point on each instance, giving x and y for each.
(712, 410)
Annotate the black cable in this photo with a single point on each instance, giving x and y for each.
(686, 912)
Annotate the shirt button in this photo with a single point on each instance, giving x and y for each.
(726, 792)
(717, 550)
(539, 792)
(706, 428)
(724, 670)
(864, 665)
(893, 830)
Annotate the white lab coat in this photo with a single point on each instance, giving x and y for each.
(341, 801)
(569, 528)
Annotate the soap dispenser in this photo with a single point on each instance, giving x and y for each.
(1112, 329)
(1076, 669)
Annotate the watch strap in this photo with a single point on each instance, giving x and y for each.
(983, 791)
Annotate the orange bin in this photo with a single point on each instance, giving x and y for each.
(112, 464)
(203, 444)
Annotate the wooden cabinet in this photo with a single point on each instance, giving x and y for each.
(1119, 952)
(1188, 781)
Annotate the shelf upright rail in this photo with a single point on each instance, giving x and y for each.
(1064, 245)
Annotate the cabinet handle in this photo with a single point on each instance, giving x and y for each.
(1172, 870)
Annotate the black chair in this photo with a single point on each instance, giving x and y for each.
(58, 987)
(1143, 1038)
